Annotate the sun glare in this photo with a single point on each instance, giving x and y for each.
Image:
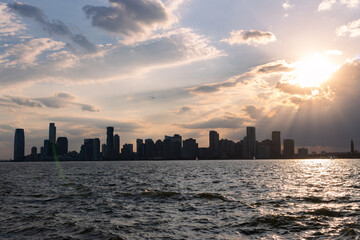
(313, 70)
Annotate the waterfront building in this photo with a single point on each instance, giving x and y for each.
(303, 152)
(62, 146)
(172, 147)
(110, 143)
(52, 133)
(275, 145)
(19, 145)
(189, 149)
(289, 148)
(116, 146)
(214, 144)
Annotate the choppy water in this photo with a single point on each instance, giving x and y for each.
(308, 199)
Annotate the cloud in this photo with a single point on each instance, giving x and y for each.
(253, 111)
(9, 25)
(214, 123)
(286, 5)
(293, 89)
(352, 29)
(26, 54)
(133, 19)
(52, 27)
(184, 109)
(58, 100)
(251, 37)
(21, 101)
(328, 4)
(174, 48)
(275, 67)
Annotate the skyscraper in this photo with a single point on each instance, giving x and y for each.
(52, 133)
(214, 144)
(251, 142)
(62, 145)
(110, 143)
(289, 148)
(140, 148)
(116, 146)
(19, 145)
(275, 145)
(352, 146)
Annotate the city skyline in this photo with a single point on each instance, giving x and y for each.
(183, 67)
(168, 148)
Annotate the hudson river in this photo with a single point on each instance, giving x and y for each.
(274, 199)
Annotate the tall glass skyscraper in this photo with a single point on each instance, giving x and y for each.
(19, 145)
(52, 133)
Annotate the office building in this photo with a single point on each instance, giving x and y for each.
(110, 143)
(189, 149)
(249, 143)
(62, 146)
(19, 145)
(303, 153)
(140, 148)
(214, 143)
(52, 133)
(172, 147)
(275, 145)
(116, 146)
(289, 148)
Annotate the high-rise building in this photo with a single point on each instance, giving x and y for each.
(190, 149)
(116, 146)
(91, 150)
(214, 143)
(352, 146)
(303, 153)
(33, 155)
(52, 133)
(110, 143)
(62, 145)
(172, 147)
(251, 142)
(140, 148)
(19, 145)
(275, 145)
(127, 152)
(149, 148)
(289, 148)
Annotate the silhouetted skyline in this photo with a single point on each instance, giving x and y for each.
(170, 148)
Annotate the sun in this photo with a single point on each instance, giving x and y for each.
(312, 71)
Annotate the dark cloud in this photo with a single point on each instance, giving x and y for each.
(184, 109)
(53, 27)
(128, 17)
(21, 101)
(89, 108)
(275, 68)
(250, 37)
(293, 89)
(253, 111)
(58, 100)
(210, 88)
(227, 122)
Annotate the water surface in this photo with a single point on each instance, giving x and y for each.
(277, 199)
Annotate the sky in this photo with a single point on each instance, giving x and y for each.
(159, 67)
